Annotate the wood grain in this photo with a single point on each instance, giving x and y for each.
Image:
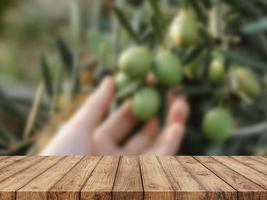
(3, 157)
(38, 188)
(259, 166)
(132, 177)
(128, 182)
(184, 184)
(16, 167)
(216, 188)
(155, 181)
(259, 158)
(246, 188)
(100, 183)
(6, 161)
(9, 186)
(69, 187)
(244, 170)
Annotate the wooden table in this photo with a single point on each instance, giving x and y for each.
(130, 177)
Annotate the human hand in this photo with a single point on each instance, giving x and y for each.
(87, 134)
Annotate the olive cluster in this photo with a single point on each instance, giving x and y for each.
(137, 62)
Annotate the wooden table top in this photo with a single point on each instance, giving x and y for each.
(131, 177)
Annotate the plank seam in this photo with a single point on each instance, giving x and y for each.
(4, 158)
(113, 185)
(47, 193)
(240, 174)
(214, 173)
(248, 165)
(36, 175)
(259, 160)
(79, 194)
(12, 162)
(141, 175)
(218, 177)
(189, 171)
(238, 192)
(21, 169)
(174, 190)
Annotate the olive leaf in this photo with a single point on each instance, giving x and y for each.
(192, 53)
(156, 8)
(246, 8)
(125, 23)
(46, 75)
(199, 11)
(129, 90)
(247, 61)
(101, 46)
(65, 54)
(255, 27)
(10, 106)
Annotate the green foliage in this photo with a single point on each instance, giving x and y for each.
(101, 46)
(233, 30)
(239, 39)
(4, 5)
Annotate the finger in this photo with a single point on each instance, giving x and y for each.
(169, 142)
(178, 112)
(118, 125)
(95, 107)
(172, 98)
(143, 139)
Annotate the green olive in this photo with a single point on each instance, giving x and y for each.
(122, 81)
(248, 83)
(217, 70)
(167, 68)
(192, 70)
(184, 29)
(136, 62)
(145, 103)
(217, 124)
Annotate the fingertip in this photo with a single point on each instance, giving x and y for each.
(181, 105)
(108, 82)
(179, 111)
(173, 98)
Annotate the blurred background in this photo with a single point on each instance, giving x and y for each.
(54, 53)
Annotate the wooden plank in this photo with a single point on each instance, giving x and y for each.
(216, 188)
(130, 177)
(9, 186)
(38, 188)
(155, 181)
(260, 159)
(3, 157)
(18, 166)
(6, 161)
(184, 184)
(128, 181)
(68, 188)
(99, 185)
(244, 170)
(246, 188)
(259, 166)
